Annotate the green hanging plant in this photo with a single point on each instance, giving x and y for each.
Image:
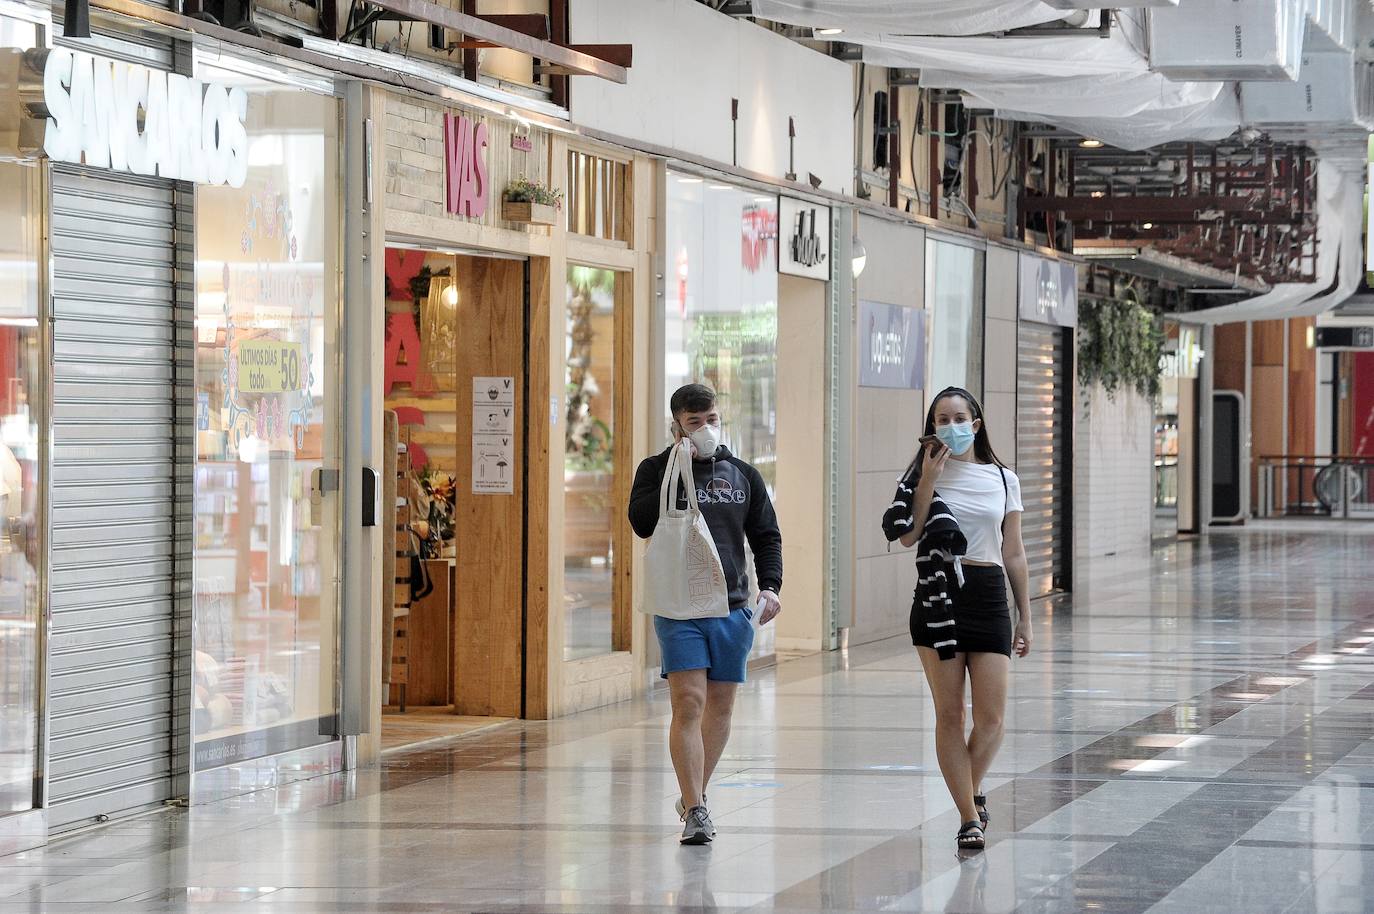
(1119, 346)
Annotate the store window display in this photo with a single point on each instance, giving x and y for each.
(722, 308)
(21, 539)
(954, 298)
(267, 538)
(592, 521)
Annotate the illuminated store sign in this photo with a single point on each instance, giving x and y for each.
(127, 117)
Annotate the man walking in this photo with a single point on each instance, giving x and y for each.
(704, 660)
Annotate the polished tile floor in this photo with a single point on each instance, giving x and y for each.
(1195, 733)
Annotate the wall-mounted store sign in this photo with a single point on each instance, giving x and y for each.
(893, 346)
(1343, 337)
(465, 165)
(805, 230)
(1048, 291)
(122, 116)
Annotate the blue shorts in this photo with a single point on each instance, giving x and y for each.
(718, 645)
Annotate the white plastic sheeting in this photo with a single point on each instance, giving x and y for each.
(910, 17)
(1096, 87)
(1204, 121)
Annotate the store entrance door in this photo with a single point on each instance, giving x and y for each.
(455, 380)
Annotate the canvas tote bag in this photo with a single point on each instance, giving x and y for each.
(683, 576)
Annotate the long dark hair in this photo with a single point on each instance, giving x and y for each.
(982, 443)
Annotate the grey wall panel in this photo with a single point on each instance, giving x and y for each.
(119, 291)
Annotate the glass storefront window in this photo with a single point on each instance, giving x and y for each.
(21, 533)
(954, 298)
(721, 323)
(592, 517)
(266, 295)
(721, 317)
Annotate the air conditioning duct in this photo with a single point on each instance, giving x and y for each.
(1334, 89)
(1210, 40)
(1331, 25)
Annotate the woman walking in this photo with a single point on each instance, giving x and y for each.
(961, 507)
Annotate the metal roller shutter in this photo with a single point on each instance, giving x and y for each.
(122, 456)
(1042, 413)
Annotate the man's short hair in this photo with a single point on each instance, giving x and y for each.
(693, 398)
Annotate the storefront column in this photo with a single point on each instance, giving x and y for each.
(364, 163)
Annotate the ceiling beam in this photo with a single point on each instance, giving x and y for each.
(573, 62)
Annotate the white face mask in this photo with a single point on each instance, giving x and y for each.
(707, 440)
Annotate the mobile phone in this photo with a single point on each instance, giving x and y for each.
(927, 440)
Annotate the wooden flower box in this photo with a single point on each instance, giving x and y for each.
(531, 213)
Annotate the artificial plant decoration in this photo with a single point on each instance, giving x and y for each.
(588, 438)
(1119, 346)
(523, 190)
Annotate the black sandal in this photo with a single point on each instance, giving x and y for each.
(981, 802)
(971, 837)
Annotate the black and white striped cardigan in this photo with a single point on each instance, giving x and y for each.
(938, 570)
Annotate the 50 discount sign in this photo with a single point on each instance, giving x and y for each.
(269, 367)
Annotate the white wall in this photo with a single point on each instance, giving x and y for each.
(887, 424)
(690, 61)
(1113, 470)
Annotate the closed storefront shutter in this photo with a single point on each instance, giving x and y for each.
(121, 493)
(1043, 413)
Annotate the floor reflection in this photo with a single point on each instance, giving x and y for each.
(1192, 735)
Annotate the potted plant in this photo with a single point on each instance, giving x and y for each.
(531, 202)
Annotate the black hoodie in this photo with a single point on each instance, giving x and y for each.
(737, 509)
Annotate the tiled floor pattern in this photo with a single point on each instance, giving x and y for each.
(1194, 733)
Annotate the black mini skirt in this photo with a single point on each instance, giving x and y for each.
(982, 617)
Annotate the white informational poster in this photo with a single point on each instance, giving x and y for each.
(493, 436)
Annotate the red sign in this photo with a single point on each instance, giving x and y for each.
(465, 165)
(1362, 425)
(759, 234)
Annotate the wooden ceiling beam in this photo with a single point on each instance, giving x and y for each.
(477, 28)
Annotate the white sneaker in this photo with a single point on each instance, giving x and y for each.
(682, 809)
(682, 813)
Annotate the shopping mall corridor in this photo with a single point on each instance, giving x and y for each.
(1192, 734)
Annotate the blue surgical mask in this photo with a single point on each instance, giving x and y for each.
(958, 437)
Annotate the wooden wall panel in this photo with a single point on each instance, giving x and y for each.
(488, 628)
(1267, 346)
(1302, 388)
(1228, 357)
(622, 611)
(538, 527)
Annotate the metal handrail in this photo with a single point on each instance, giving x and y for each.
(1315, 474)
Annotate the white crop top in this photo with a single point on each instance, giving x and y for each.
(974, 495)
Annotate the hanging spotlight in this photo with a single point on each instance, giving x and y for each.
(76, 19)
(1148, 225)
(860, 255)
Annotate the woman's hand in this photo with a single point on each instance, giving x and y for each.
(933, 463)
(1022, 638)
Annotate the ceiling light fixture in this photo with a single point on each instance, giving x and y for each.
(1090, 144)
(1148, 225)
(829, 31)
